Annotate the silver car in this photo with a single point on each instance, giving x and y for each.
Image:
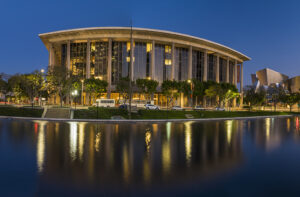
(150, 106)
(177, 108)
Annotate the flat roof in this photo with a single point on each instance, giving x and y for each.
(110, 31)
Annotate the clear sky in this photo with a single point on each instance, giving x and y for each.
(266, 31)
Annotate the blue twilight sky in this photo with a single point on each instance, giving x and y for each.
(267, 31)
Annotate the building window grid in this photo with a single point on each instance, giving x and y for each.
(64, 55)
(78, 59)
(231, 70)
(163, 62)
(99, 59)
(119, 61)
(212, 63)
(181, 62)
(197, 65)
(222, 69)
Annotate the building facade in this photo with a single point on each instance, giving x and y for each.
(105, 53)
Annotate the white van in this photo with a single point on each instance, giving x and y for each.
(105, 103)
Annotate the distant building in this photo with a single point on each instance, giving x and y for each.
(293, 84)
(268, 77)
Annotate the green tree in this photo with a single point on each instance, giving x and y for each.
(146, 86)
(151, 86)
(15, 86)
(169, 89)
(122, 87)
(254, 97)
(277, 93)
(33, 85)
(291, 99)
(58, 82)
(95, 87)
(4, 88)
(198, 90)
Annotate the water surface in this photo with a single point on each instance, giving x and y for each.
(257, 157)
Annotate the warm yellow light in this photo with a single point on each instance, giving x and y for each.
(168, 62)
(168, 49)
(189, 81)
(149, 47)
(148, 78)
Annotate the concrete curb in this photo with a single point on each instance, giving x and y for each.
(137, 120)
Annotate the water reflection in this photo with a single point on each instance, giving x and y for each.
(126, 155)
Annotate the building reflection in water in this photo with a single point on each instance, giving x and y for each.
(40, 148)
(109, 155)
(127, 154)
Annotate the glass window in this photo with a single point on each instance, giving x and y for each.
(181, 64)
(212, 63)
(64, 55)
(78, 59)
(99, 55)
(120, 61)
(142, 57)
(197, 67)
(222, 70)
(163, 62)
(231, 70)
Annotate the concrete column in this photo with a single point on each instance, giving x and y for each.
(205, 66)
(88, 59)
(109, 67)
(132, 59)
(227, 70)
(51, 55)
(235, 72)
(235, 79)
(205, 74)
(153, 61)
(190, 62)
(241, 84)
(173, 62)
(218, 69)
(68, 55)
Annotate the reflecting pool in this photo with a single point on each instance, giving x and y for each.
(255, 157)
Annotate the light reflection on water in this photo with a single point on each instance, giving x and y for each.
(143, 155)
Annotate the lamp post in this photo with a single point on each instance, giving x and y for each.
(82, 91)
(191, 98)
(74, 94)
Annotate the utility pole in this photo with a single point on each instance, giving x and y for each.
(130, 69)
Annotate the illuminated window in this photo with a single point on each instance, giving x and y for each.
(168, 62)
(149, 47)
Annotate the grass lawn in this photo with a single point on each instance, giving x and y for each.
(106, 113)
(20, 111)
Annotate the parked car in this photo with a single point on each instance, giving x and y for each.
(199, 108)
(123, 106)
(177, 108)
(105, 103)
(220, 109)
(150, 106)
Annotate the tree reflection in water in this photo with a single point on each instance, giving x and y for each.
(140, 155)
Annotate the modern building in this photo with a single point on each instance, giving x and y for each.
(267, 77)
(293, 84)
(105, 53)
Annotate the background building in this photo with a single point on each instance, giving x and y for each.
(104, 53)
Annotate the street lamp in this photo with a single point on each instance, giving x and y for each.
(74, 94)
(82, 91)
(190, 82)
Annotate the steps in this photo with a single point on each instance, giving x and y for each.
(57, 113)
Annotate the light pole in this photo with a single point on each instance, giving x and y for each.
(74, 94)
(190, 82)
(82, 91)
